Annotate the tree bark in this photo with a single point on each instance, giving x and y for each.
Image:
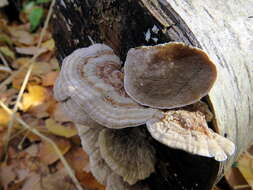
(222, 28)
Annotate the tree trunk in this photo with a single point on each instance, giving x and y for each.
(222, 28)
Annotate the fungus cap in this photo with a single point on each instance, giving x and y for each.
(92, 78)
(188, 131)
(89, 138)
(115, 182)
(169, 75)
(128, 153)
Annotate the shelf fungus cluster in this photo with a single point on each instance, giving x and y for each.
(119, 109)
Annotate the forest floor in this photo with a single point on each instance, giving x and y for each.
(32, 122)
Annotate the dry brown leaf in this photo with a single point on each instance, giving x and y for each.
(5, 39)
(57, 181)
(8, 53)
(32, 50)
(88, 181)
(49, 44)
(42, 68)
(59, 115)
(36, 95)
(20, 37)
(8, 95)
(18, 80)
(47, 153)
(3, 74)
(78, 160)
(7, 174)
(32, 137)
(20, 61)
(60, 130)
(49, 78)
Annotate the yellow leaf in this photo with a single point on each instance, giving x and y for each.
(7, 52)
(49, 45)
(5, 39)
(4, 117)
(36, 95)
(245, 164)
(60, 130)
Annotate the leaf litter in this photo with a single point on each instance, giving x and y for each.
(47, 150)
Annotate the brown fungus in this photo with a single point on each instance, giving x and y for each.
(92, 78)
(89, 138)
(188, 131)
(169, 75)
(128, 153)
(99, 167)
(115, 182)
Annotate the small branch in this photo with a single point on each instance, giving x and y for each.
(27, 76)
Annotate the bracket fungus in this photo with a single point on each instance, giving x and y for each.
(76, 113)
(128, 153)
(89, 138)
(169, 75)
(188, 131)
(97, 95)
(115, 182)
(92, 78)
(99, 168)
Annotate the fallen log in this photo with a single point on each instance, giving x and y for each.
(223, 29)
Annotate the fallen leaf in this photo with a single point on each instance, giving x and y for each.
(36, 95)
(49, 78)
(42, 68)
(20, 62)
(49, 44)
(3, 74)
(7, 52)
(4, 117)
(7, 174)
(88, 181)
(5, 39)
(47, 153)
(18, 80)
(60, 130)
(78, 160)
(32, 150)
(59, 115)
(32, 50)
(245, 166)
(22, 37)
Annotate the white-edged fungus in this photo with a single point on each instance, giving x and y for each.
(77, 114)
(188, 131)
(92, 79)
(128, 153)
(115, 182)
(203, 108)
(169, 75)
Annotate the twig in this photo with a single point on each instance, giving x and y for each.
(57, 150)
(27, 76)
(4, 60)
(6, 69)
